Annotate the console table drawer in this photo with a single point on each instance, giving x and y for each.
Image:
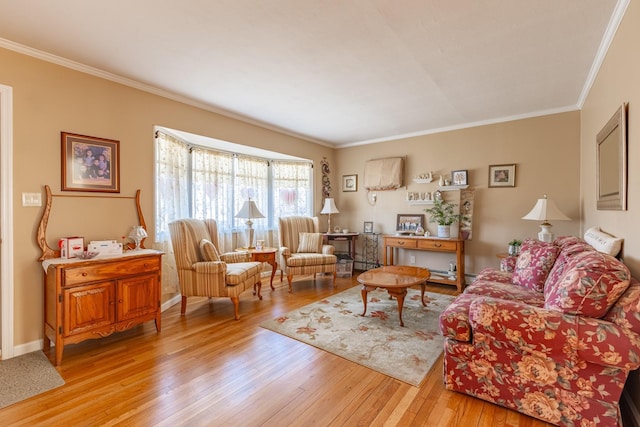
(109, 270)
(400, 242)
(437, 245)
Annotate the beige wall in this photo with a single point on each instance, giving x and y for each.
(544, 149)
(618, 81)
(48, 99)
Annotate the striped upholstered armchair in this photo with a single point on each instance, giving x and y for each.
(203, 271)
(302, 250)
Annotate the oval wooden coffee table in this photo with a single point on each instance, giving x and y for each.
(395, 279)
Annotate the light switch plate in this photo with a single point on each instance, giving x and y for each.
(31, 199)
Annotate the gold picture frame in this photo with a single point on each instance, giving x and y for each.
(90, 163)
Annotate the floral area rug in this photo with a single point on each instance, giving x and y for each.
(377, 340)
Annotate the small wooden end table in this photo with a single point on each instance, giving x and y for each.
(267, 255)
(395, 279)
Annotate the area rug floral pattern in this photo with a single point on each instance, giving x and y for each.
(377, 340)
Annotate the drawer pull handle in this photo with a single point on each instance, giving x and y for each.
(146, 265)
(401, 243)
(437, 245)
(84, 274)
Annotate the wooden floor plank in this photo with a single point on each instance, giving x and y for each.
(208, 369)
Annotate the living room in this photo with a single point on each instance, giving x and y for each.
(554, 154)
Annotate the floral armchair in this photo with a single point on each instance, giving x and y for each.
(302, 250)
(203, 271)
(554, 339)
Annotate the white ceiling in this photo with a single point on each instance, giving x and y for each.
(339, 72)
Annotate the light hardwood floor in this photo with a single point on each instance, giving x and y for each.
(206, 369)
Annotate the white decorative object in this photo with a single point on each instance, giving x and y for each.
(329, 208)
(249, 211)
(441, 181)
(544, 210)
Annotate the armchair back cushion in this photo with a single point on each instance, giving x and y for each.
(310, 243)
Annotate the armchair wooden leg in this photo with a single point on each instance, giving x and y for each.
(236, 307)
(335, 274)
(183, 306)
(259, 286)
(289, 278)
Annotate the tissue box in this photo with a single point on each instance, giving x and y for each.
(105, 247)
(71, 247)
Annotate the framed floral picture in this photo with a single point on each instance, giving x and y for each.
(502, 175)
(90, 163)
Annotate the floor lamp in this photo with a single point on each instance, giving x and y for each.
(249, 211)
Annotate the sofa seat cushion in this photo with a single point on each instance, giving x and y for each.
(306, 259)
(534, 263)
(489, 274)
(505, 291)
(238, 272)
(591, 282)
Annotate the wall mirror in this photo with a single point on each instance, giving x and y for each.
(611, 172)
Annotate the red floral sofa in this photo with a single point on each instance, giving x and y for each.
(554, 339)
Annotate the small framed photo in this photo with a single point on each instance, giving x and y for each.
(460, 177)
(349, 182)
(502, 175)
(90, 163)
(408, 223)
(368, 226)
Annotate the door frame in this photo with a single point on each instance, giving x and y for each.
(6, 221)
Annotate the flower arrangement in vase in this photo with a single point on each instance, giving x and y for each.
(443, 213)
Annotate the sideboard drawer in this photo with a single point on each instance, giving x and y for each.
(109, 270)
(437, 245)
(400, 242)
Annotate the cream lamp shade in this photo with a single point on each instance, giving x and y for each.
(329, 208)
(545, 210)
(138, 234)
(249, 211)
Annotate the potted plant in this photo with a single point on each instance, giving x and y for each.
(514, 247)
(443, 213)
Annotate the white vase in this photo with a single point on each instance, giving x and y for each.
(444, 230)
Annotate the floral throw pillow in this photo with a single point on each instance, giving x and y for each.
(534, 263)
(310, 243)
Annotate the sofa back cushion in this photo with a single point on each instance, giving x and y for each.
(590, 283)
(534, 263)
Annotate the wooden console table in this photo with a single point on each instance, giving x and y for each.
(433, 244)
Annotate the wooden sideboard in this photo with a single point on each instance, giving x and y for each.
(434, 244)
(95, 298)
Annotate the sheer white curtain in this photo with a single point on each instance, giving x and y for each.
(292, 188)
(171, 200)
(252, 182)
(213, 192)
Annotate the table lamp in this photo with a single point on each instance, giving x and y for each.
(329, 208)
(138, 234)
(544, 210)
(248, 211)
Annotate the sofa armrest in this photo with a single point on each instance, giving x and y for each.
(508, 264)
(559, 336)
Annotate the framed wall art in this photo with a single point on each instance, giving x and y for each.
(350, 183)
(408, 223)
(502, 175)
(460, 177)
(90, 163)
(368, 227)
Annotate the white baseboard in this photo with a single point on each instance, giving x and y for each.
(631, 410)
